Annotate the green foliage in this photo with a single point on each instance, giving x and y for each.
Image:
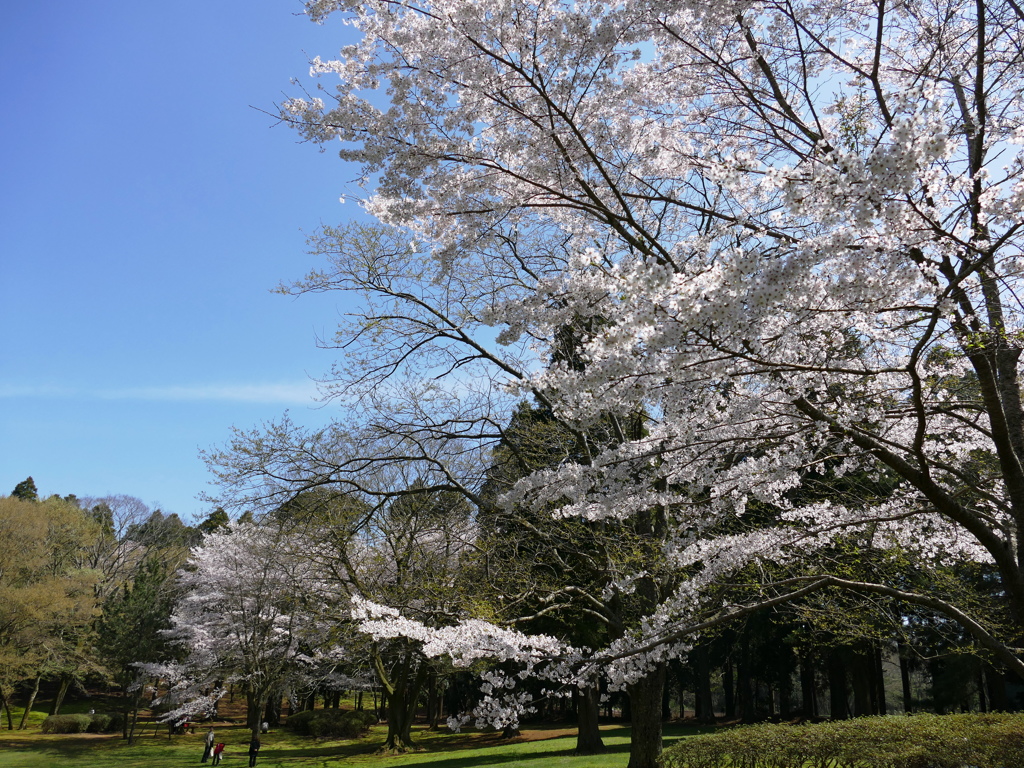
(47, 595)
(134, 618)
(217, 521)
(98, 722)
(331, 723)
(918, 741)
(67, 724)
(26, 490)
(163, 531)
(102, 722)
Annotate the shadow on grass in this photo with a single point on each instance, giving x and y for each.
(66, 747)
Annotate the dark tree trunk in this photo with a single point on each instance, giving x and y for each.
(645, 708)
(679, 679)
(997, 698)
(272, 713)
(908, 696)
(31, 701)
(786, 692)
(432, 700)
(837, 686)
(588, 731)
(255, 705)
(129, 727)
(6, 706)
(745, 688)
(704, 706)
(403, 695)
(58, 700)
(729, 686)
(808, 695)
(862, 676)
(881, 706)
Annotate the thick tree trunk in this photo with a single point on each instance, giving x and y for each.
(808, 695)
(588, 730)
(403, 692)
(255, 704)
(838, 707)
(28, 706)
(862, 669)
(645, 709)
(704, 707)
(745, 689)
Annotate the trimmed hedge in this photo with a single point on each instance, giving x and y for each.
(333, 723)
(895, 741)
(96, 723)
(67, 724)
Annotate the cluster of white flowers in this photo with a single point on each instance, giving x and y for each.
(779, 236)
(250, 600)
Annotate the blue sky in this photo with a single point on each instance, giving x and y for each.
(146, 211)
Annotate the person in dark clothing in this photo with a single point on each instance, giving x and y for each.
(208, 745)
(254, 749)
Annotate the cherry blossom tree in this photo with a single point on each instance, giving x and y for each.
(249, 614)
(784, 237)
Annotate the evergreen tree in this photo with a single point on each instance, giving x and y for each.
(26, 490)
(217, 521)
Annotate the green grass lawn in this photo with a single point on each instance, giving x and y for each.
(540, 748)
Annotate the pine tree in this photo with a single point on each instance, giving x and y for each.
(26, 490)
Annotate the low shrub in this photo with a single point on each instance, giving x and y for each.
(916, 741)
(368, 716)
(116, 723)
(102, 722)
(330, 723)
(98, 723)
(67, 724)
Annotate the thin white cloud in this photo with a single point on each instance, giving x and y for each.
(35, 390)
(289, 393)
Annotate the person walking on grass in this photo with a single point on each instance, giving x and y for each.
(254, 749)
(218, 752)
(208, 745)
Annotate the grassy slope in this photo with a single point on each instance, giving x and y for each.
(542, 748)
